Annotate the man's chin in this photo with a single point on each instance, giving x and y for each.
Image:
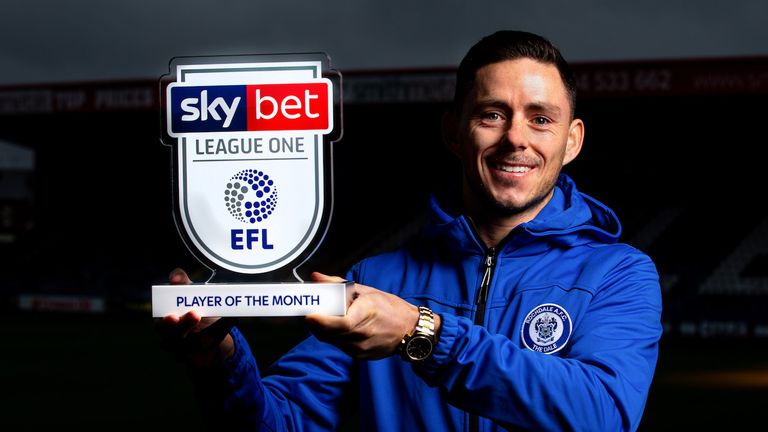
(504, 205)
(509, 206)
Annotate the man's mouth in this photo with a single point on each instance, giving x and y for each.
(513, 168)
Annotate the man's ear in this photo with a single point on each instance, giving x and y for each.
(450, 130)
(575, 139)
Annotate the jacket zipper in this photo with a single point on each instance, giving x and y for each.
(480, 301)
(485, 285)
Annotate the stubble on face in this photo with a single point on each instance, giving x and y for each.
(492, 205)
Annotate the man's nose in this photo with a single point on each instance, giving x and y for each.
(515, 133)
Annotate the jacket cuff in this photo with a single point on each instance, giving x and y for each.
(241, 361)
(443, 352)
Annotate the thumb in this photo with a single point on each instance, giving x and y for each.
(179, 277)
(320, 277)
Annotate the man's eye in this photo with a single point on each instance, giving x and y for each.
(541, 121)
(492, 116)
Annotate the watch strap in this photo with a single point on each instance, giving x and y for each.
(426, 324)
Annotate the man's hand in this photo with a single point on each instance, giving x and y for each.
(201, 342)
(374, 325)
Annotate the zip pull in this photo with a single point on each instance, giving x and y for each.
(485, 283)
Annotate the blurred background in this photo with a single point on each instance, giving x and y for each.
(673, 94)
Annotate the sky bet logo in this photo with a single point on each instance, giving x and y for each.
(250, 108)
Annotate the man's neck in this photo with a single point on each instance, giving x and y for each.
(494, 225)
(493, 230)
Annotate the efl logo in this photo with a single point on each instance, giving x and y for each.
(305, 106)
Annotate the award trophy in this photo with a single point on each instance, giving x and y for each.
(251, 141)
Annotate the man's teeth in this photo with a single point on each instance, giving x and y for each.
(514, 169)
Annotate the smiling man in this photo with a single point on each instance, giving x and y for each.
(515, 308)
(513, 134)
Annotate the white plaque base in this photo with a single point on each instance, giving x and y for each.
(250, 300)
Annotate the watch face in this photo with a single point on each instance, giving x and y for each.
(418, 348)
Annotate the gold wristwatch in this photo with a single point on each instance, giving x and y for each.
(418, 345)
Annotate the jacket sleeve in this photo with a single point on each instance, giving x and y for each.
(301, 391)
(599, 384)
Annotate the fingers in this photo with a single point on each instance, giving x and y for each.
(195, 340)
(327, 324)
(210, 336)
(335, 329)
(173, 330)
(173, 326)
(355, 317)
(343, 333)
(189, 321)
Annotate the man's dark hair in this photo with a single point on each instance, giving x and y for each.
(510, 45)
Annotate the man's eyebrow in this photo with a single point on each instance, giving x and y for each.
(543, 106)
(491, 102)
(533, 106)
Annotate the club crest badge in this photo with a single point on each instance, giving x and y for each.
(546, 328)
(251, 137)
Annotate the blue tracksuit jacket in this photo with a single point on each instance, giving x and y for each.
(556, 329)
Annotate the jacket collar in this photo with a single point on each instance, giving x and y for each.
(570, 218)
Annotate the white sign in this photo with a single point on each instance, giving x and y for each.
(249, 299)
